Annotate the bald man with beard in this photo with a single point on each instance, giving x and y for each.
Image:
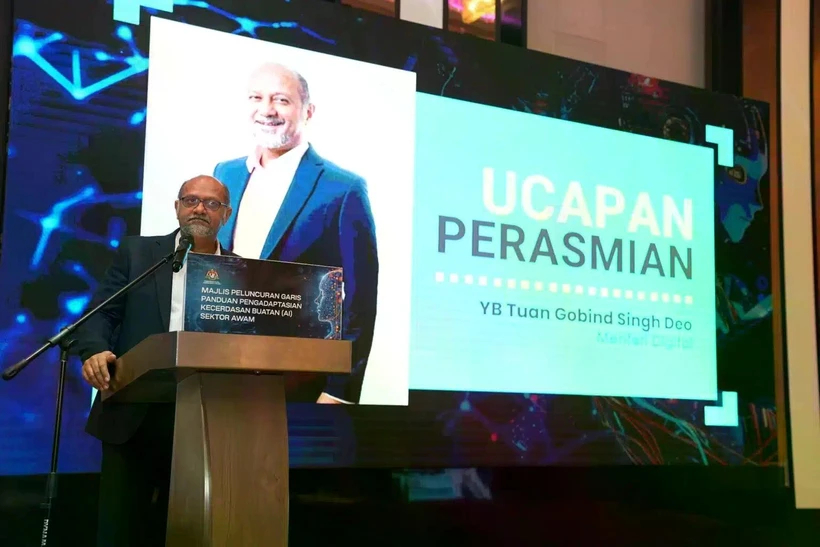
(137, 439)
(293, 205)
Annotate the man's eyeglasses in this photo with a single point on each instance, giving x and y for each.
(210, 204)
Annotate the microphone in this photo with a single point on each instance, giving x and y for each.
(185, 244)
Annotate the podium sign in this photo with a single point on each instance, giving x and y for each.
(229, 294)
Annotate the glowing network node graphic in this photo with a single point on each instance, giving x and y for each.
(33, 48)
(128, 11)
(50, 222)
(28, 45)
(78, 270)
(248, 26)
(53, 220)
(138, 117)
(75, 305)
(9, 335)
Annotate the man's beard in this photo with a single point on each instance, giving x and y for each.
(271, 140)
(197, 229)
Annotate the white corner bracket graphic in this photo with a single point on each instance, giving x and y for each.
(724, 139)
(726, 414)
(128, 11)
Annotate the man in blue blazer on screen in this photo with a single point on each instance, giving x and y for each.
(290, 204)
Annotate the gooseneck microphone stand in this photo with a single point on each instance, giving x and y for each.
(63, 340)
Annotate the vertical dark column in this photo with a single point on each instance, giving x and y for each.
(6, 32)
(724, 46)
(814, 97)
(761, 81)
(511, 22)
(499, 15)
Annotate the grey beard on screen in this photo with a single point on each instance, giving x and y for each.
(271, 141)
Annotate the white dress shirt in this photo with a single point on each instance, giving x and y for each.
(178, 293)
(262, 200)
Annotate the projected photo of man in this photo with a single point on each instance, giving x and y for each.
(293, 205)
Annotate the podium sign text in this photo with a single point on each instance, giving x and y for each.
(228, 294)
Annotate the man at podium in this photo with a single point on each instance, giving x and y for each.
(137, 439)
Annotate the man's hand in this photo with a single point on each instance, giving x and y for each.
(95, 369)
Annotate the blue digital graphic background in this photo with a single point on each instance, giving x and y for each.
(73, 190)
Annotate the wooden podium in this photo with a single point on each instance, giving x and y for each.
(229, 470)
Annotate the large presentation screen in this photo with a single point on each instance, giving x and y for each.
(538, 268)
(544, 261)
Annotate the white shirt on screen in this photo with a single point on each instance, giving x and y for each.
(262, 200)
(178, 293)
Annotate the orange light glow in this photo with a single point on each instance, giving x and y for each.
(476, 9)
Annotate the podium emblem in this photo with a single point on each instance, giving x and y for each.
(212, 277)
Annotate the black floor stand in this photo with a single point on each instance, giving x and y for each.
(51, 482)
(64, 341)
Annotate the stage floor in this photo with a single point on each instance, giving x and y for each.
(366, 507)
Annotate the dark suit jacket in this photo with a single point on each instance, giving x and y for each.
(324, 219)
(144, 311)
